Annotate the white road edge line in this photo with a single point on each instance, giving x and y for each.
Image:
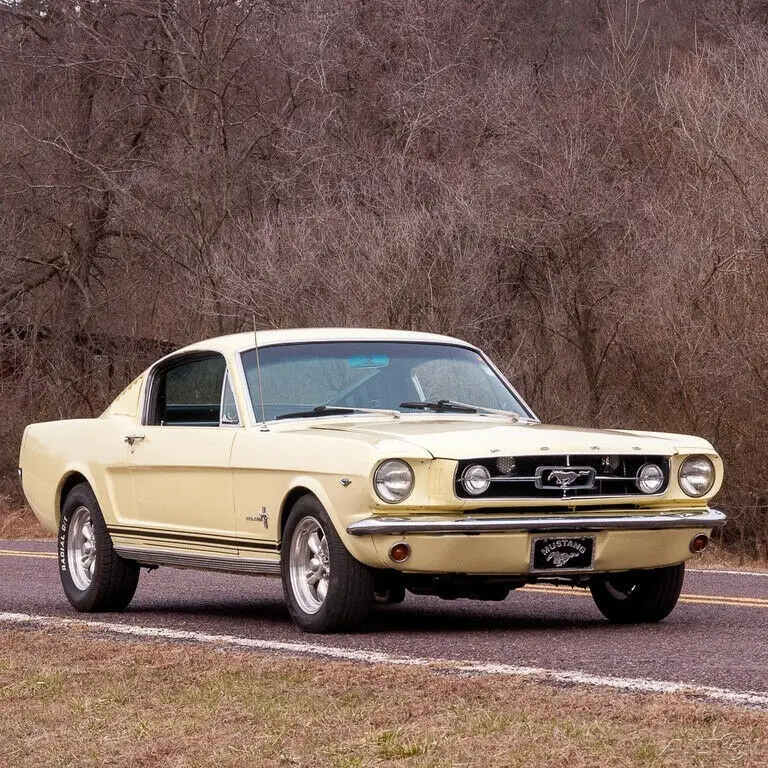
(752, 699)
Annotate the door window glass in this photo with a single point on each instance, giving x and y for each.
(190, 394)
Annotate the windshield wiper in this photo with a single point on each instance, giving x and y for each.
(335, 410)
(495, 412)
(441, 406)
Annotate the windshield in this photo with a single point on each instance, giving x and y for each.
(296, 378)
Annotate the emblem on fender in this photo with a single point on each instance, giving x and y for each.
(263, 517)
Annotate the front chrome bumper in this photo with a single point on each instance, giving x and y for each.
(398, 526)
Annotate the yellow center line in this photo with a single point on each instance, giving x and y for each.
(732, 598)
(20, 553)
(748, 602)
(684, 596)
(743, 602)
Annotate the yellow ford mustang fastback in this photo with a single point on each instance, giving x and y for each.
(357, 464)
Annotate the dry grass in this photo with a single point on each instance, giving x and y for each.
(20, 523)
(717, 558)
(70, 698)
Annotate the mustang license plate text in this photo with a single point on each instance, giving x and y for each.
(566, 553)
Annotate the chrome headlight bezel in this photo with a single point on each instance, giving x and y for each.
(479, 471)
(644, 482)
(706, 466)
(387, 489)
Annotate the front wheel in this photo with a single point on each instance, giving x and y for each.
(94, 576)
(638, 596)
(326, 589)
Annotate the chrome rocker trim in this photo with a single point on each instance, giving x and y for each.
(397, 526)
(225, 563)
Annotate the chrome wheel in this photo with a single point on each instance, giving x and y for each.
(327, 590)
(310, 565)
(81, 548)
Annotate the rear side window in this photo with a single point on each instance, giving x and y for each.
(188, 393)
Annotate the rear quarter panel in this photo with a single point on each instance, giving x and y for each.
(53, 451)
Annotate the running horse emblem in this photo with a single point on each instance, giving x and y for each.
(566, 477)
(559, 559)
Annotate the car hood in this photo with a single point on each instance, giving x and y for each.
(467, 438)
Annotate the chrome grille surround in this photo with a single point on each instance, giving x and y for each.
(564, 476)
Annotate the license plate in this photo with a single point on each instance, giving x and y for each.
(563, 553)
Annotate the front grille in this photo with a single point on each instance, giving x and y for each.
(540, 477)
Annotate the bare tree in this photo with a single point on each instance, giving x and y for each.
(579, 188)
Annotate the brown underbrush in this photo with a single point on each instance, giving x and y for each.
(18, 522)
(580, 188)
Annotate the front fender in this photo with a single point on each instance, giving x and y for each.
(339, 503)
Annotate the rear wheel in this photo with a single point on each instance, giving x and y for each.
(94, 576)
(326, 589)
(638, 596)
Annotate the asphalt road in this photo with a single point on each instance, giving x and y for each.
(717, 635)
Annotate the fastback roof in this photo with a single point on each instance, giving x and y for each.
(237, 342)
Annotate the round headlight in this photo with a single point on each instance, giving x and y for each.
(697, 475)
(476, 479)
(649, 478)
(393, 480)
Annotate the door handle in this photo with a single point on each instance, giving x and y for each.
(132, 439)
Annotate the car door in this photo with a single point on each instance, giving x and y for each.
(180, 457)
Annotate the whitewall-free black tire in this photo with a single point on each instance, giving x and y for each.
(94, 576)
(635, 597)
(326, 589)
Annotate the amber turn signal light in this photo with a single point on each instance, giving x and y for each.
(400, 552)
(699, 542)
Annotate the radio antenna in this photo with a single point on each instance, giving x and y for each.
(264, 427)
